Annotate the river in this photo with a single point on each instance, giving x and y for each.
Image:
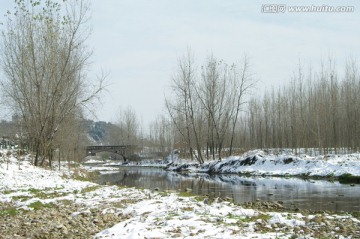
(318, 195)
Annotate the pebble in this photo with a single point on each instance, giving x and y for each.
(57, 223)
(54, 223)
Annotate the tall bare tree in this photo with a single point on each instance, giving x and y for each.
(205, 104)
(183, 107)
(241, 84)
(215, 95)
(44, 58)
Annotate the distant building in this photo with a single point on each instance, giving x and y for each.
(6, 143)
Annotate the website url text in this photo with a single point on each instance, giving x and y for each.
(283, 8)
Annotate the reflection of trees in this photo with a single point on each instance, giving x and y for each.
(305, 194)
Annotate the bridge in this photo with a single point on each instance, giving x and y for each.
(126, 151)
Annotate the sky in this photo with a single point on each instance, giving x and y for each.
(138, 42)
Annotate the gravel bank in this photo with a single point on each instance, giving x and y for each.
(59, 221)
(75, 221)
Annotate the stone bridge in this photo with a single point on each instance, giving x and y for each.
(126, 151)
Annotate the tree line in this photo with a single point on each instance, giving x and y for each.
(211, 111)
(318, 109)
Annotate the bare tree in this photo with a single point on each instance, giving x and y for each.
(162, 135)
(44, 58)
(69, 140)
(242, 83)
(222, 92)
(183, 108)
(129, 127)
(205, 105)
(213, 93)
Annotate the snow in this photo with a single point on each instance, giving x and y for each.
(281, 219)
(27, 176)
(260, 163)
(162, 215)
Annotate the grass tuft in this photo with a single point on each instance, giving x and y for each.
(39, 205)
(10, 211)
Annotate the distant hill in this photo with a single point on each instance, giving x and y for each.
(100, 132)
(97, 132)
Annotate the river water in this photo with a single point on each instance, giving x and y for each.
(319, 195)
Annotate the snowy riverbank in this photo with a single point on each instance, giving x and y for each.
(261, 163)
(86, 210)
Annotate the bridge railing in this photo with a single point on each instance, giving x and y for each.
(124, 150)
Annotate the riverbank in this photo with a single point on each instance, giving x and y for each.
(43, 203)
(259, 163)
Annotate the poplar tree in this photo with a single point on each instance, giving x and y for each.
(44, 59)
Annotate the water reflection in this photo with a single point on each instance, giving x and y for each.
(295, 193)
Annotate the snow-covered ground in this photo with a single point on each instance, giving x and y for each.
(261, 163)
(153, 214)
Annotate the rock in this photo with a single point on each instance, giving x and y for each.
(60, 226)
(55, 222)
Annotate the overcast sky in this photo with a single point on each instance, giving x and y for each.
(139, 42)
